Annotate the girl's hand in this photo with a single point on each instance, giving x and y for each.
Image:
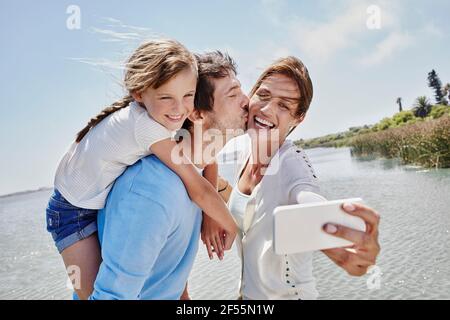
(229, 239)
(213, 237)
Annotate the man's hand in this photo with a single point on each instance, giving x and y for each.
(359, 257)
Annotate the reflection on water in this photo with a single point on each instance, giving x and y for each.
(414, 235)
(414, 232)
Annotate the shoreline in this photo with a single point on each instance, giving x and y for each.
(415, 260)
(425, 143)
(19, 193)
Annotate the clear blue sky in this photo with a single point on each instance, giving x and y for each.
(54, 79)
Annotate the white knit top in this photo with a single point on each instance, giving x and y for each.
(88, 170)
(266, 275)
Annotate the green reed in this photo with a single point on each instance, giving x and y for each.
(424, 143)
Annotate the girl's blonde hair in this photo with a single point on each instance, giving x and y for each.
(153, 64)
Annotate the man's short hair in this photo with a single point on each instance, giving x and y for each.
(211, 65)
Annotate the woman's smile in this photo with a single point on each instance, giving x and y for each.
(262, 123)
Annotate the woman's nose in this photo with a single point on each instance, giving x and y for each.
(267, 108)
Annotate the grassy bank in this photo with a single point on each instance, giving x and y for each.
(424, 143)
(414, 140)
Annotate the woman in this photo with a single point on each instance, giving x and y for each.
(275, 172)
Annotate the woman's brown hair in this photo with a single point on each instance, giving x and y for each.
(294, 69)
(153, 64)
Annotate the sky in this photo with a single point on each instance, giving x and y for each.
(60, 61)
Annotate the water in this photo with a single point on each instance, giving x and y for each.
(414, 231)
(30, 267)
(414, 235)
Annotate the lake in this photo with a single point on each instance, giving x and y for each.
(414, 235)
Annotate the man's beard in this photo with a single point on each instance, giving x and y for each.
(227, 126)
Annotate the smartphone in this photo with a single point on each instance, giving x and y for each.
(299, 228)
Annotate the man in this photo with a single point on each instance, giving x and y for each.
(149, 229)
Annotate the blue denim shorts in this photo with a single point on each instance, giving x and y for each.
(68, 223)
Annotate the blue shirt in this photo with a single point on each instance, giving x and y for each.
(149, 232)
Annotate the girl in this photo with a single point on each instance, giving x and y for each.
(160, 78)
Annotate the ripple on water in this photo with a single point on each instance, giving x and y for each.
(414, 236)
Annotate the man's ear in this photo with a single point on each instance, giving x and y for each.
(195, 115)
(137, 96)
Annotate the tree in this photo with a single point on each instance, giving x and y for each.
(435, 83)
(422, 107)
(399, 102)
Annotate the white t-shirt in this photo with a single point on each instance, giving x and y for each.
(89, 168)
(266, 275)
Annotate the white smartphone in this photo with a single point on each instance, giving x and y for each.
(298, 228)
